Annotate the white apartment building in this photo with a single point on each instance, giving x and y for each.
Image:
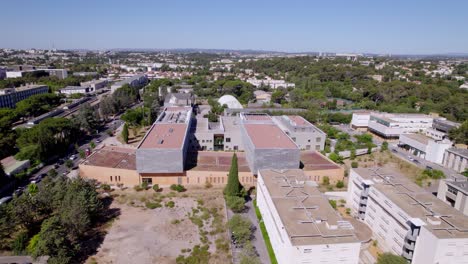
(69, 90)
(301, 224)
(274, 84)
(405, 219)
(425, 147)
(454, 193)
(391, 126)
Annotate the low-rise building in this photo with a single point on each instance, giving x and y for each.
(301, 224)
(425, 147)
(454, 193)
(266, 145)
(179, 99)
(12, 166)
(405, 219)
(456, 159)
(224, 135)
(391, 126)
(82, 74)
(69, 90)
(302, 132)
(95, 85)
(135, 81)
(10, 96)
(273, 84)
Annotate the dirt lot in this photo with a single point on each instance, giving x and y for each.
(160, 235)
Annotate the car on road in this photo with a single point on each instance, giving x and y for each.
(5, 200)
(394, 151)
(72, 157)
(18, 191)
(98, 140)
(415, 161)
(429, 167)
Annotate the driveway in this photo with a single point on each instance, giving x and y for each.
(258, 242)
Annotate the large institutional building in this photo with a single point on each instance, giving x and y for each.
(405, 219)
(180, 148)
(301, 224)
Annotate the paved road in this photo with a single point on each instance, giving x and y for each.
(257, 242)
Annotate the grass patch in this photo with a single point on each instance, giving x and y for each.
(271, 253)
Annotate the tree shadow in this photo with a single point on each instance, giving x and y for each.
(95, 236)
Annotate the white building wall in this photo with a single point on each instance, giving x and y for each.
(430, 249)
(286, 253)
(360, 120)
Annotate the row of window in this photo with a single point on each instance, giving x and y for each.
(115, 178)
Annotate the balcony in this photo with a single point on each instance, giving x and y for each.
(409, 246)
(410, 236)
(362, 208)
(407, 255)
(363, 201)
(365, 193)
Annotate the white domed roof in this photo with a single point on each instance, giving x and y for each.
(230, 101)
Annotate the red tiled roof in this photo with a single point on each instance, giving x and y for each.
(299, 120)
(113, 157)
(315, 161)
(168, 136)
(268, 136)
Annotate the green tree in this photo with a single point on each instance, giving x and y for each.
(125, 133)
(388, 258)
(87, 119)
(249, 254)
(69, 163)
(233, 187)
(336, 158)
(460, 134)
(384, 146)
(241, 228)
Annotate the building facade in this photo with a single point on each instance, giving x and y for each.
(301, 224)
(10, 96)
(302, 132)
(456, 159)
(405, 219)
(454, 193)
(135, 81)
(425, 147)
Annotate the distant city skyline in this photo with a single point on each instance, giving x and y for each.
(363, 26)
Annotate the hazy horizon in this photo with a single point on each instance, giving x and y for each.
(384, 27)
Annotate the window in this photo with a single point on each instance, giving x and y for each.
(110, 178)
(236, 148)
(294, 139)
(308, 140)
(318, 139)
(228, 139)
(119, 178)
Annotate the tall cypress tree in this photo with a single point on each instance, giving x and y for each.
(233, 187)
(125, 133)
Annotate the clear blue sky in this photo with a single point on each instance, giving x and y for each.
(382, 26)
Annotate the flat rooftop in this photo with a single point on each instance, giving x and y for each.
(305, 212)
(164, 136)
(459, 151)
(112, 157)
(215, 161)
(299, 121)
(418, 137)
(268, 136)
(312, 160)
(439, 218)
(460, 185)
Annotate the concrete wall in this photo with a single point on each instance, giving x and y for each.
(455, 162)
(461, 199)
(159, 160)
(275, 159)
(102, 174)
(236, 140)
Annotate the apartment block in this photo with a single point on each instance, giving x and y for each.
(456, 159)
(10, 96)
(405, 219)
(266, 145)
(302, 132)
(301, 224)
(95, 84)
(454, 193)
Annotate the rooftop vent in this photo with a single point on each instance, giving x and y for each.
(161, 141)
(171, 130)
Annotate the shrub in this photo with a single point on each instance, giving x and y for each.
(105, 187)
(156, 187)
(152, 205)
(332, 203)
(340, 184)
(137, 188)
(384, 146)
(222, 245)
(175, 221)
(177, 187)
(20, 242)
(235, 203)
(388, 258)
(354, 164)
(170, 204)
(241, 228)
(326, 180)
(144, 185)
(208, 185)
(348, 211)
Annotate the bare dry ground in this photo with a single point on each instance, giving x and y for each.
(160, 235)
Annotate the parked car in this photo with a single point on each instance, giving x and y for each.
(72, 157)
(415, 161)
(18, 191)
(394, 151)
(5, 200)
(429, 167)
